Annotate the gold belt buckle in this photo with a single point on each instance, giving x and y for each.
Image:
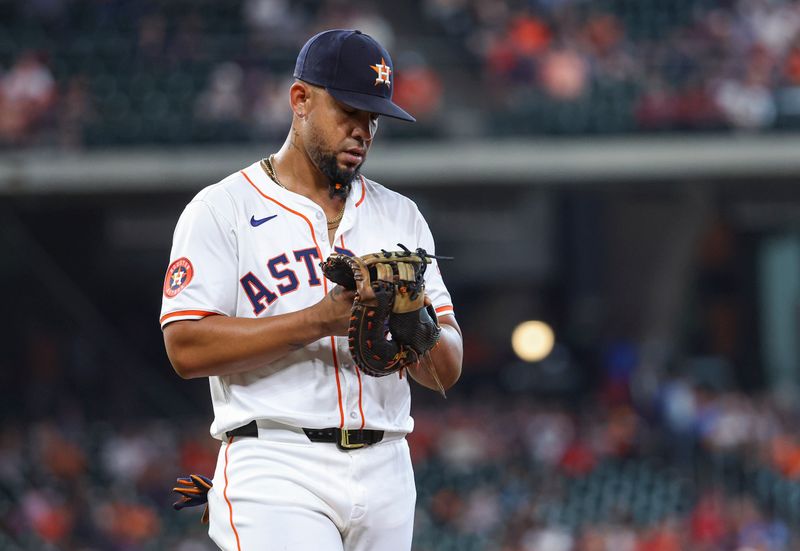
(344, 441)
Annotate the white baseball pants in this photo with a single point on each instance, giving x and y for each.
(281, 491)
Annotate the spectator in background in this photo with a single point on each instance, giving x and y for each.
(564, 74)
(272, 24)
(791, 65)
(754, 531)
(352, 15)
(27, 93)
(748, 102)
(265, 17)
(418, 88)
(267, 104)
(47, 514)
(222, 101)
(452, 15)
(74, 113)
(773, 24)
(666, 536)
(513, 53)
(547, 538)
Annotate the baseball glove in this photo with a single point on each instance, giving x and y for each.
(390, 300)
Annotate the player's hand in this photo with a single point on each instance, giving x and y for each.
(334, 311)
(193, 491)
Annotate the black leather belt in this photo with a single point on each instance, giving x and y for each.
(345, 439)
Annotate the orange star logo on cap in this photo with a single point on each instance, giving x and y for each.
(383, 71)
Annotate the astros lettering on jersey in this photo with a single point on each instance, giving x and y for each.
(246, 247)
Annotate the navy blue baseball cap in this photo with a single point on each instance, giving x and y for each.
(353, 68)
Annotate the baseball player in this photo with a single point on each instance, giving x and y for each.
(313, 452)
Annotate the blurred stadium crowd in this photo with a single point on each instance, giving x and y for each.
(705, 470)
(78, 73)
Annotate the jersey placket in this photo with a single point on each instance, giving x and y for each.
(340, 356)
(352, 395)
(321, 231)
(353, 402)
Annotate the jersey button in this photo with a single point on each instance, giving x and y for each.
(353, 415)
(319, 216)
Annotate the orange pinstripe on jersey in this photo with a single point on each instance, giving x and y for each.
(338, 384)
(225, 494)
(358, 371)
(324, 286)
(201, 313)
(443, 309)
(360, 407)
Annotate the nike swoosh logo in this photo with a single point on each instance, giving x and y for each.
(255, 223)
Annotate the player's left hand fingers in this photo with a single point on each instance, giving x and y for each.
(189, 492)
(182, 502)
(202, 481)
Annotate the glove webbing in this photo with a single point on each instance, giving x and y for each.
(371, 351)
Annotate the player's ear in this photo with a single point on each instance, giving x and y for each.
(300, 97)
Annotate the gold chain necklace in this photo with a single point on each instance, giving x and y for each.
(266, 164)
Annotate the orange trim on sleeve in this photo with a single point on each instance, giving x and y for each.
(324, 283)
(441, 309)
(201, 313)
(225, 494)
(363, 192)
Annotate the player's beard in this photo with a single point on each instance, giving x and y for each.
(327, 163)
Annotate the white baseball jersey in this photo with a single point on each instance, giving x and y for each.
(247, 247)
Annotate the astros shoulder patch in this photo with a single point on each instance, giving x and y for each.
(179, 274)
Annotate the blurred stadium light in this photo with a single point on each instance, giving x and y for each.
(532, 341)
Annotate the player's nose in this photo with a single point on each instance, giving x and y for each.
(365, 126)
